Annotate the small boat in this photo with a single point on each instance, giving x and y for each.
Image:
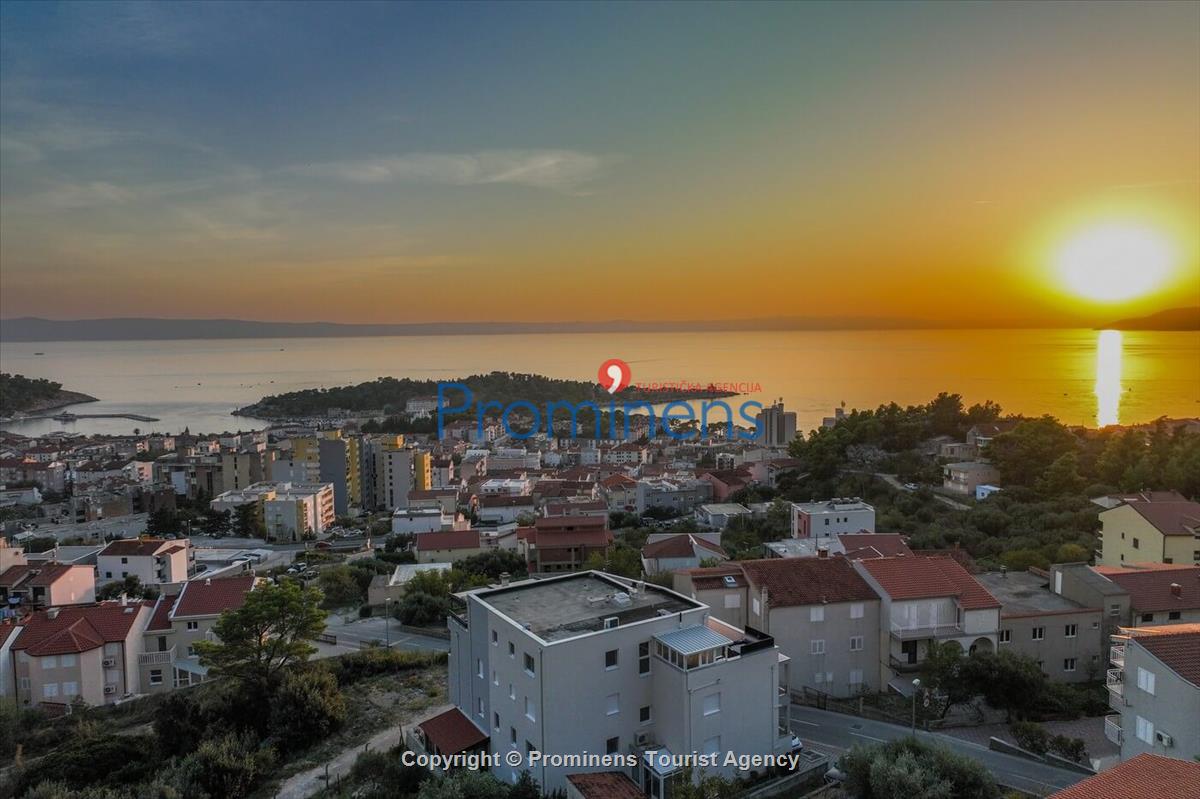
(39, 353)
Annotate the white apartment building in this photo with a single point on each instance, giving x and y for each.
(421, 520)
(289, 510)
(588, 662)
(152, 560)
(832, 517)
(1154, 685)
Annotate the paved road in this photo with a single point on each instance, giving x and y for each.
(827, 730)
(891, 480)
(352, 634)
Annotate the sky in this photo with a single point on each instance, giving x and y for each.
(362, 162)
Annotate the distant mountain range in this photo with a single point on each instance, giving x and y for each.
(31, 328)
(1173, 319)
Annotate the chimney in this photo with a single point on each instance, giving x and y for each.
(124, 599)
(52, 613)
(208, 581)
(823, 552)
(1176, 589)
(504, 578)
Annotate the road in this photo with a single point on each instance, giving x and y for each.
(829, 730)
(352, 634)
(891, 480)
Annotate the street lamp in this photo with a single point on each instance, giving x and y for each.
(916, 690)
(387, 620)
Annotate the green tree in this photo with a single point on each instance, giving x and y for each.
(942, 671)
(306, 707)
(269, 632)
(248, 521)
(164, 521)
(464, 784)
(339, 587)
(1062, 478)
(905, 768)
(216, 523)
(1024, 453)
(131, 586)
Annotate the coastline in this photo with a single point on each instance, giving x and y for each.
(62, 399)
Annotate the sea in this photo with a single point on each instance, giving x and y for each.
(1087, 377)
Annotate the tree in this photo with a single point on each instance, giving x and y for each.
(216, 523)
(339, 587)
(306, 708)
(464, 784)
(270, 631)
(422, 610)
(131, 586)
(247, 521)
(1009, 682)
(943, 672)
(1062, 478)
(164, 521)
(228, 767)
(905, 768)
(1024, 453)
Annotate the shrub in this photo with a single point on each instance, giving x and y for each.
(228, 767)
(1073, 749)
(306, 707)
(1030, 736)
(380, 775)
(422, 610)
(906, 767)
(349, 669)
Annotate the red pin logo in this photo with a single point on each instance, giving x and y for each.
(614, 375)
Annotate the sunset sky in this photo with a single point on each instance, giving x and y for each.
(440, 162)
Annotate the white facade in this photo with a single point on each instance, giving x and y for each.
(831, 518)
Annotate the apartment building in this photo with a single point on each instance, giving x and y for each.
(927, 599)
(289, 511)
(564, 543)
(831, 518)
(39, 585)
(591, 663)
(1064, 637)
(1154, 685)
(84, 652)
(152, 560)
(680, 496)
(1150, 527)
(966, 476)
(168, 659)
(822, 614)
(1158, 595)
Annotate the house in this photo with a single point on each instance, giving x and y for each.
(1144, 777)
(39, 585)
(1151, 527)
(289, 511)
(79, 652)
(726, 481)
(448, 546)
(680, 551)
(386, 588)
(498, 509)
(1154, 686)
(620, 492)
(832, 517)
(603, 785)
(679, 496)
(152, 560)
(927, 599)
(981, 435)
(723, 588)
(169, 659)
(564, 543)
(1158, 594)
(588, 662)
(965, 477)
(718, 515)
(420, 521)
(1064, 637)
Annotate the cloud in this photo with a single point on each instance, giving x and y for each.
(560, 170)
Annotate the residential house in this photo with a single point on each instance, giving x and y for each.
(1151, 527)
(448, 546)
(718, 515)
(1146, 776)
(1154, 686)
(679, 551)
(564, 543)
(152, 560)
(965, 477)
(39, 585)
(832, 517)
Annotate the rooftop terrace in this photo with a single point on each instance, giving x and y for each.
(1022, 592)
(558, 608)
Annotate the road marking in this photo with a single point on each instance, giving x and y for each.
(807, 723)
(869, 737)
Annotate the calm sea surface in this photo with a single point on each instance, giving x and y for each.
(1081, 376)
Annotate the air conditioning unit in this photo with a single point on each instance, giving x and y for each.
(108, 662)
(1164, 738)
(611, 622)
(110, 689)
(643, 738)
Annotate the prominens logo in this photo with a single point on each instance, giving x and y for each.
(614, 375)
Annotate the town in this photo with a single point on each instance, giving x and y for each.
(608, 617)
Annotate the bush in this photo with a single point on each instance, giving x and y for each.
(349, 669)
(229, 767)
(1030, 736)
(1073, 749)
(422, 610)
(306, 708)
(94, 761)
(380, 775)
(907, 767)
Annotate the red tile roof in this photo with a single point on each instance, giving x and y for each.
(133, 547)
(78, 628)
(928, 577)
(1146, 776)
(873, 545)
(714, 577)
(1150, 589)
(161, 618)
(683, 545)
(807, 581)
(1179, 651)
(1170, 517)
(447, 539)
(35, 574)
(210, 597)
(452, 732)
(555, 524)
(605, 785)
(615, 480)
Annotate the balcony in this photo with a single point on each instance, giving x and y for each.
(157, 658)
(1117, 655)
(909, 632)
(903, 666)
(1115, 681)
(1112, 728)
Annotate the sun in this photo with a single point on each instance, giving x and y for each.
(1114, 261)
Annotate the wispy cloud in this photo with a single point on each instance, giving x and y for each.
(560, 170)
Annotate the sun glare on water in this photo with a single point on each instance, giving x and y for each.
(1114, 262)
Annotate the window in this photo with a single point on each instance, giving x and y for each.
(1135, 543)
(712, 745)
(611, 659)
(757, 607)
(495, 678)
(822, 677)
(193, 625)
(1005, 636)
(856, 680)
(529, 710)
(1114, 610)
(50, 662)
(856, 610)
(529, 665)
(512, 736)
(479, 668)
(1174, 615)
(1145, 730)
(1147, 617)
(156, 676)
(495, 638)
(1039, 633)
(512, 649)
(817, 646)
(733, 601)
(1069, 664)
(612, 704)
(856, 643)
(612, 745)
(826, 521)
(512, 692)
(1071, 630)
(66, 661)
(108, 575)
(644, 714)
(479, 707)
(70, 689)
(496, 721)
(124, 561)
(712, 704)
(816, 613)
(1145, 680)
(50, 690)
(644, 657)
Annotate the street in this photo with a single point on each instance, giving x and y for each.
(353, 634)
(829, 730)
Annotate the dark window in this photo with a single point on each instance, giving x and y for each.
(1174, 615)
(1147, 617)
(612, 746)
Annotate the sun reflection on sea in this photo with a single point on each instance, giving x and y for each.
(1108, 377)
